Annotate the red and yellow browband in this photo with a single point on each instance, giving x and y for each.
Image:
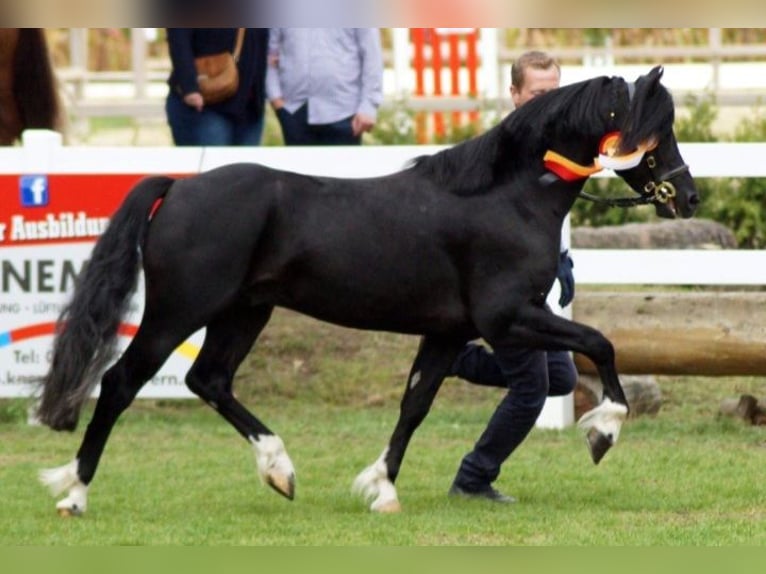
(569, 170)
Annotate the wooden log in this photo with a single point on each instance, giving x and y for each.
(680, 333)
(672, 234)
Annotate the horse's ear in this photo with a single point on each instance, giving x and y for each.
(652, 79)
(637, 127)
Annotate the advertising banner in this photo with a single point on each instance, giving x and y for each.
(48, 225)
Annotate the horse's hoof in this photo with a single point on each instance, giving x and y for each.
(599, 444)
(283, 484)
(390, 507)
(67, 512)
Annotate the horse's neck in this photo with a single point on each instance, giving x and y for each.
(534, 185)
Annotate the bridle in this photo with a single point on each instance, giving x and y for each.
(659, 189)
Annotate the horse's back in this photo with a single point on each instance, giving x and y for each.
(358, 252)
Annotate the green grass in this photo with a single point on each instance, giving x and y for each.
(176, 473)
(181, 476)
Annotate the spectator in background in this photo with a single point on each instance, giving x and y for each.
(529, 375)
(29, 95)
(325, 84)
(235, 121)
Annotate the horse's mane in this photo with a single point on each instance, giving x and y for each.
(468, 168)
(579, 109)
(464, 169)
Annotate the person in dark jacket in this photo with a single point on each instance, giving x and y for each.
(235, 121)
(529, 375)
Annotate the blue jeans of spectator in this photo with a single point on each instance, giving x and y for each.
(209, 127)
(296, 129)
(530, 376)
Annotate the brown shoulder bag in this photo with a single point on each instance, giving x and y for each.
(217, 74)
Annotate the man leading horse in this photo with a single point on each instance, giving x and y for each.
(530, 375)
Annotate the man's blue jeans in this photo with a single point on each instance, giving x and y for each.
(296, 130)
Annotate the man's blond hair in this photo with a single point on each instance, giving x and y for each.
(532, 59)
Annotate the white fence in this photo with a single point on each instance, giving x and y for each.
(40, 156)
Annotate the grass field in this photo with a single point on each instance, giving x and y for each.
(175, 473)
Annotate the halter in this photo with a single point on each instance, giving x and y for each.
(658, 190)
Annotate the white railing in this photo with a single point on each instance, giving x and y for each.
(671, 267)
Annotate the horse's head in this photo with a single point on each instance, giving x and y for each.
(628, 125)
(646, 154)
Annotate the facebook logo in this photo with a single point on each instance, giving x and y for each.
(34, 190)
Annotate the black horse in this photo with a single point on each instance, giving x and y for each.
(459, 245)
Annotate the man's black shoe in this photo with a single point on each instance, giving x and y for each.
(488, 494)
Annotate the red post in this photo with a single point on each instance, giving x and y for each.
(418, 59)
(419, 64)
(436, 66)
(454, 65)
(472, 63)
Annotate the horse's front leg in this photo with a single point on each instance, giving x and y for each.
(432, 363)
(602, 424)
(537, 327)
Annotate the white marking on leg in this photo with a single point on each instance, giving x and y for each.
(415, 379)
(373, 483)
(606, 418)
(61, 478)
(65, 478)
(274, 466)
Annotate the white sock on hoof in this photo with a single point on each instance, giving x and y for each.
(373, 484)
(66, 478)
(61, 478)
(607, 418)
(271, 457)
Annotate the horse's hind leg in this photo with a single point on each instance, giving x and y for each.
(119, 386)
(228, 340)
(432, 363)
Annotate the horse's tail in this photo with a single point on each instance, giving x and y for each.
(34, 82)
(86, 331)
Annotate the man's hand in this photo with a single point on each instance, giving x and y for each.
(194, 100)
(566, 278)
(362, 123)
